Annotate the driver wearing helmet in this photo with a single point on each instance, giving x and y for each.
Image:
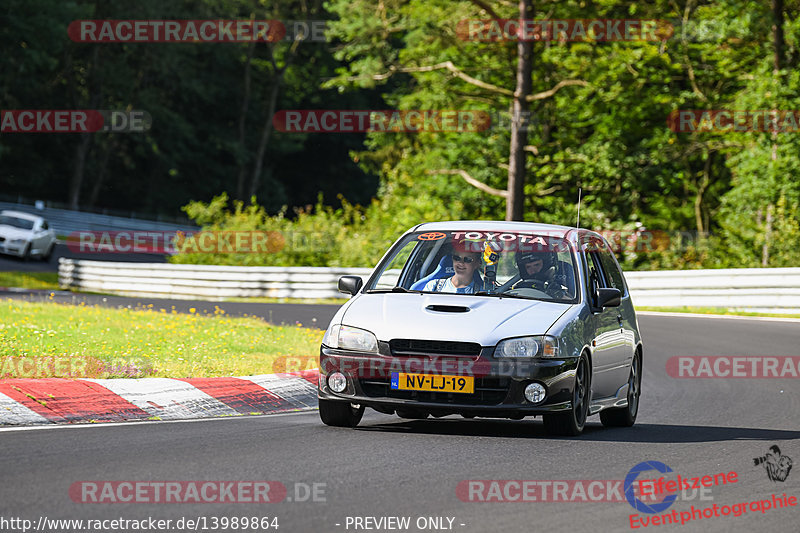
(537, 270)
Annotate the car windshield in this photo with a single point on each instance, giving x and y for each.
(484, 263)
(14, 222)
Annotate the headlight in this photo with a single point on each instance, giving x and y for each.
(331, 337)
(350, 338)
(538, 346)
(16, 241)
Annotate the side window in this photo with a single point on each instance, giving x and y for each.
(611, 269)
(595, 274)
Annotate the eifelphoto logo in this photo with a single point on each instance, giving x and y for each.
(597, 30)
(777, 465)
(715, 511)
(74, 121)
(734, 121)
(652, 496)
(630, 483)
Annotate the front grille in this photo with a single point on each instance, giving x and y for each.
(428, 347)
(488, 391)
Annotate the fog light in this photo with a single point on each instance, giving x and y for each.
(534, 393)
(337, 382)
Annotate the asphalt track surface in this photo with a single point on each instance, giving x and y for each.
(394, 467)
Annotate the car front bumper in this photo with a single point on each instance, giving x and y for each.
(13, 249)
(499, 384)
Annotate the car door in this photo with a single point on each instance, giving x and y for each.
(625, 312)
(40, 236)
(609, 358)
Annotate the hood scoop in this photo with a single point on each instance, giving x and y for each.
(447, 308)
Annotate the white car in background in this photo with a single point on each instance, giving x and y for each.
(25, 235)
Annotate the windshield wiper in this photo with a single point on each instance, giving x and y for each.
(502, 295)
(398, 288)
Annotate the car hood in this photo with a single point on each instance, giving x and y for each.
(482, 319)
(10, 232)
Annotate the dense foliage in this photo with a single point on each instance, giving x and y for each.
(599, 122)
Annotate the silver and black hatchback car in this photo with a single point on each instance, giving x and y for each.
(488, 319)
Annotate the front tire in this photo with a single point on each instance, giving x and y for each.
(572, 423)
(340, 414)
(626, 416)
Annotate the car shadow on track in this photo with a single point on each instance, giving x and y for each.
(652, 433)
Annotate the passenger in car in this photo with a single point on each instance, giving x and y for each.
(465, 280)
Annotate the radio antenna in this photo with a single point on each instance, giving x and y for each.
(578, 223)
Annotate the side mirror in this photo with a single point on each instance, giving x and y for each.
(352, 284)
(608, 297)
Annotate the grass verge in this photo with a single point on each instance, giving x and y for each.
(30, 280)
(59, 340)
(712, 311)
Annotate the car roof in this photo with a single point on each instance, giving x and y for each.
(502, 225)
(20, 214)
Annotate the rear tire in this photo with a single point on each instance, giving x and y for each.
(340, 414)
(571, 424)
(626, 416)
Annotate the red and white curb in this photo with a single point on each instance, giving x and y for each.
(25, 402)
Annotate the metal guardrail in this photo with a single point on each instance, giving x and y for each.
(775, 290)
(764, 289)
(207, 282)
(64, 221)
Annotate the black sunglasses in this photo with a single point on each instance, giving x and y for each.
(459, 259)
